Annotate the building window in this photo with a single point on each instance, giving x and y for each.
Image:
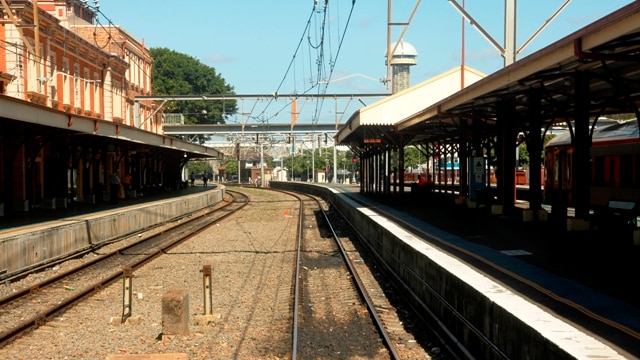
(86, 96)
(97, 100)
(53, 92)
(76, 85)
(66, 86)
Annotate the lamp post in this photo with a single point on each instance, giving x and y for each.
(344, 170)
(307, 170)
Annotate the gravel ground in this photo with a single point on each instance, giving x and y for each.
(252, 260)
(252, 257)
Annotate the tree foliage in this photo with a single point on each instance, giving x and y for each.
(180, 74)
(523, 152)
(198, 166)
(413, 157)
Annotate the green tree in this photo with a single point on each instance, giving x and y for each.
(198, 166)
(231, 167)
(180, 74)
(524, 153)
(413, 157)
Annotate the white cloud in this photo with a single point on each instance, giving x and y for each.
(220, 59)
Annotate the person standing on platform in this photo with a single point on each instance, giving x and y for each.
(421, 181)
(429, 183)
(126, 182)
(193, 179)
(205, 178)
(115, 187)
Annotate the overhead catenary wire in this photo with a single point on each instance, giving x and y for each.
(316, 43)
(316, 32)
(291, 63)
(333, 62)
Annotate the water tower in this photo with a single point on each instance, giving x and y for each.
(404, 56)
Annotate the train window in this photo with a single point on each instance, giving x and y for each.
(556, 170)
(548, 168)
(636, 171)
(598, 171)
(610, 171)
(626, 171)
(568, 171)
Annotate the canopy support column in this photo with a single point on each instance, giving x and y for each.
(506, 154)
(581, 158)
(534, 147)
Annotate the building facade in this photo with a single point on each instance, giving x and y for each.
(71, 63)
(68, 85)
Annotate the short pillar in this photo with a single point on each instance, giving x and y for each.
(127, 293)
(529, 215)
(61, 203)
(206, 285)
(49, 203)
(575, 224)
(175, 312)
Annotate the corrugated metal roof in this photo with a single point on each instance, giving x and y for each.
(399, 106)
(609, 132)
(606, 51)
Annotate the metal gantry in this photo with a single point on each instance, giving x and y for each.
(235, 133)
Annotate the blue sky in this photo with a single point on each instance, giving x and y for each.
(252, 43)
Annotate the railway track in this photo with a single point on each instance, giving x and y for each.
(328, 301)
(44, 299)
(575, 312)
(340, 296)
(256, 313)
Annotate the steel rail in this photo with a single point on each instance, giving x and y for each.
(361, 289)
(43, 317)
(452, 338)
(296, 296)
(55, 278)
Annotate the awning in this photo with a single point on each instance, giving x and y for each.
(375, 123)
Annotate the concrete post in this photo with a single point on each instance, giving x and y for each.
(175, 312)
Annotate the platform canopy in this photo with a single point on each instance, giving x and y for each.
(21, 118)
(375, 124)
(606, 51)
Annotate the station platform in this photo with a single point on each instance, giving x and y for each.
(600, 260)
(35, 238)
(597, 270)
(603, 260)
(74, 209)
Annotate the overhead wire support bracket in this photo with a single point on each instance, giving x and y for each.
(255, 96)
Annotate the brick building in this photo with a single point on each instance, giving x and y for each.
(67, 110)
(70, 63)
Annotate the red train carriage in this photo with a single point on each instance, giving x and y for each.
(615, 167)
